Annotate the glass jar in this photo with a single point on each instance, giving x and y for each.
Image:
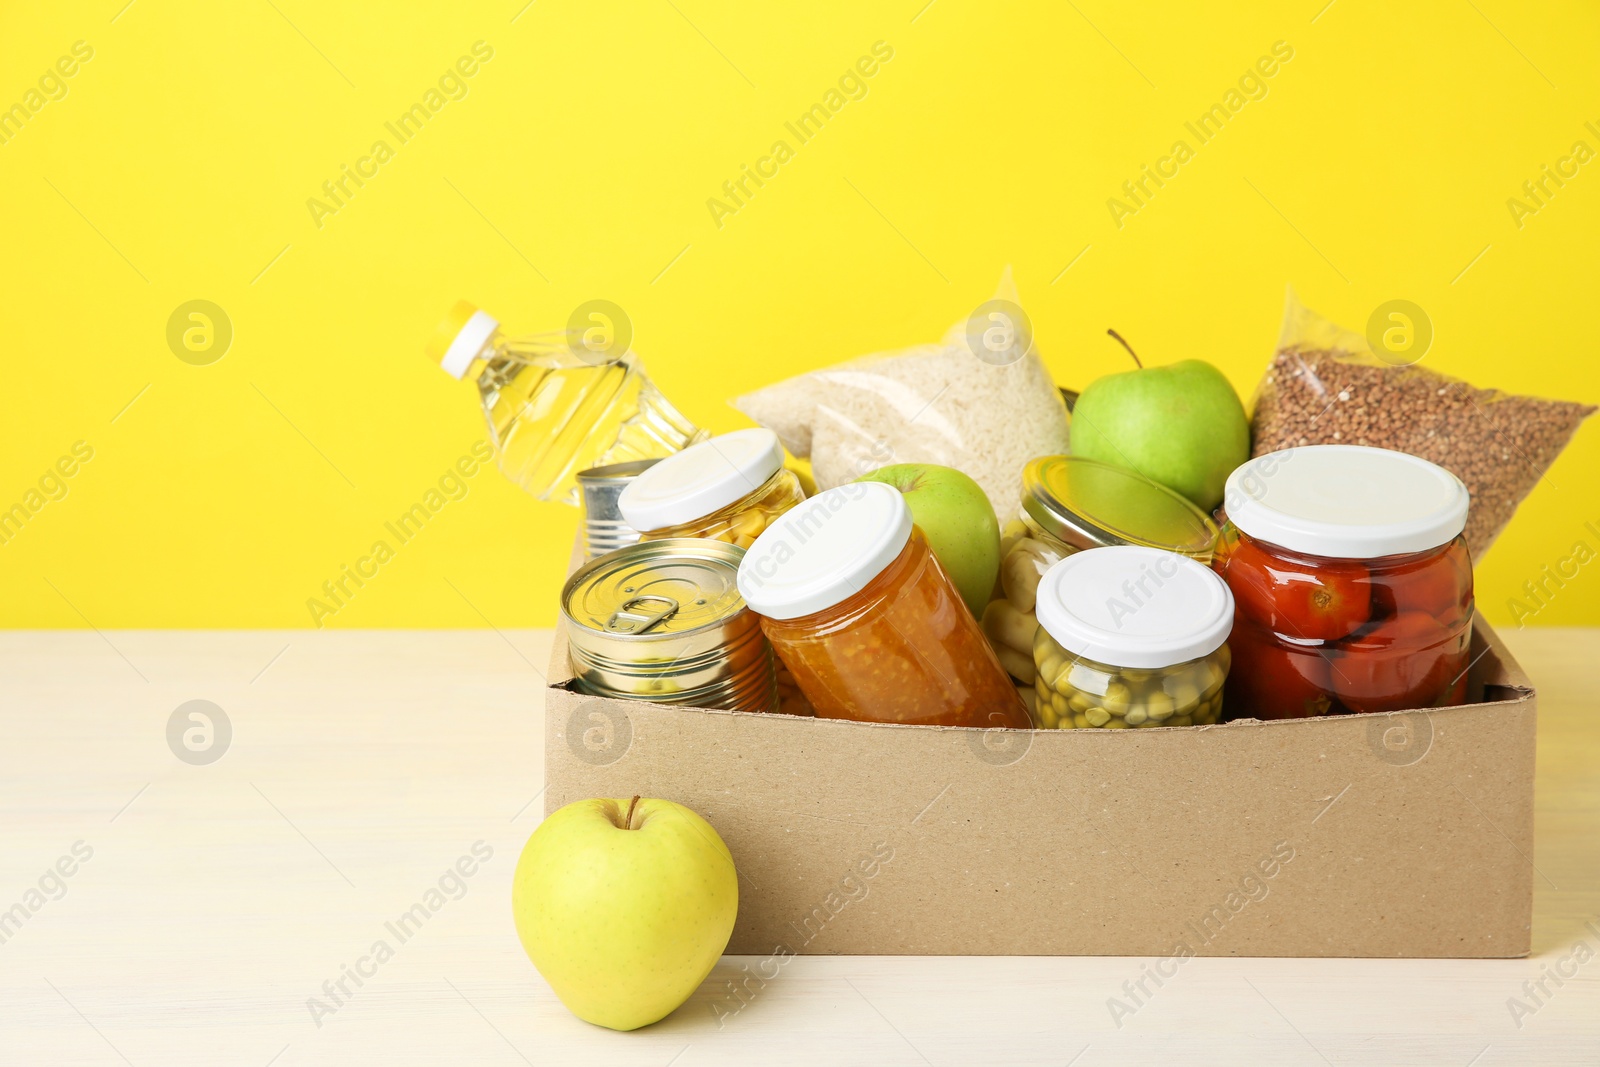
(1071, 503)
(1352, 582)
(1130, 637)
(866, 620)
(561, 402)
(729, 488)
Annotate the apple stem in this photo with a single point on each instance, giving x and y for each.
(627, 823)
(1129, 347)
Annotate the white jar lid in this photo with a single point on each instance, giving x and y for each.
(1129, 606)
(703, 478)
(824, 550)
(1346, 501)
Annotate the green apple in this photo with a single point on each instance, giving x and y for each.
(956, 517)
(624, 907)
(1181, 425)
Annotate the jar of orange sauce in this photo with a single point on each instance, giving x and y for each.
(866, 620)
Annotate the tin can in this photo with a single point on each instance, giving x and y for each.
(664, 621)
(604, 529)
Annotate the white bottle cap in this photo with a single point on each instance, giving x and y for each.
(1129, 606)
(824, 550)
(1346, 501)
(701, 479)
(460, 337)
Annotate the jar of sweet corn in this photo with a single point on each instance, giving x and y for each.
(1130, 637)
(1071, 503)
(728, 488)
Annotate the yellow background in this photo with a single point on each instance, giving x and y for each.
(179, 163)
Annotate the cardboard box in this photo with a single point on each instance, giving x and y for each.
(1408, 834)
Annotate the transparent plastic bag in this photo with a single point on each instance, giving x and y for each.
(1326, 386)
(980, 401)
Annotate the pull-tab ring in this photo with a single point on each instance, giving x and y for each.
(625, 621)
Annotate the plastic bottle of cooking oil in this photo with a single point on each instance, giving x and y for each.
(559, 403)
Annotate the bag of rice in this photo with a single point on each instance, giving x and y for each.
(1325, 386)
(980, 401)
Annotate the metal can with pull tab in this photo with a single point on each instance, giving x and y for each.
(664, 621)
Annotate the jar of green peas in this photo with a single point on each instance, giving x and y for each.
(1130, 637)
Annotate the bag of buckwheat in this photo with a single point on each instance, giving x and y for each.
(980, 401)
(1326, 386)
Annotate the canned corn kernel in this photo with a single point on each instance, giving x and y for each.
(730, 488)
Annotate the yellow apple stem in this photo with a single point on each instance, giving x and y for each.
(1129, 347)
(627, 823)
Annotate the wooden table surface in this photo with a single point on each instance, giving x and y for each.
(208, 904)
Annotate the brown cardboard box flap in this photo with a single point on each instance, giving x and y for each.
(1407, 834)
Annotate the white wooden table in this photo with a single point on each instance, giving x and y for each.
(216, 900)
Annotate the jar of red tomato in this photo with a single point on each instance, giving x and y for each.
(1351, 582)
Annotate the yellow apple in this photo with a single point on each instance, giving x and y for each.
(624, 907)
